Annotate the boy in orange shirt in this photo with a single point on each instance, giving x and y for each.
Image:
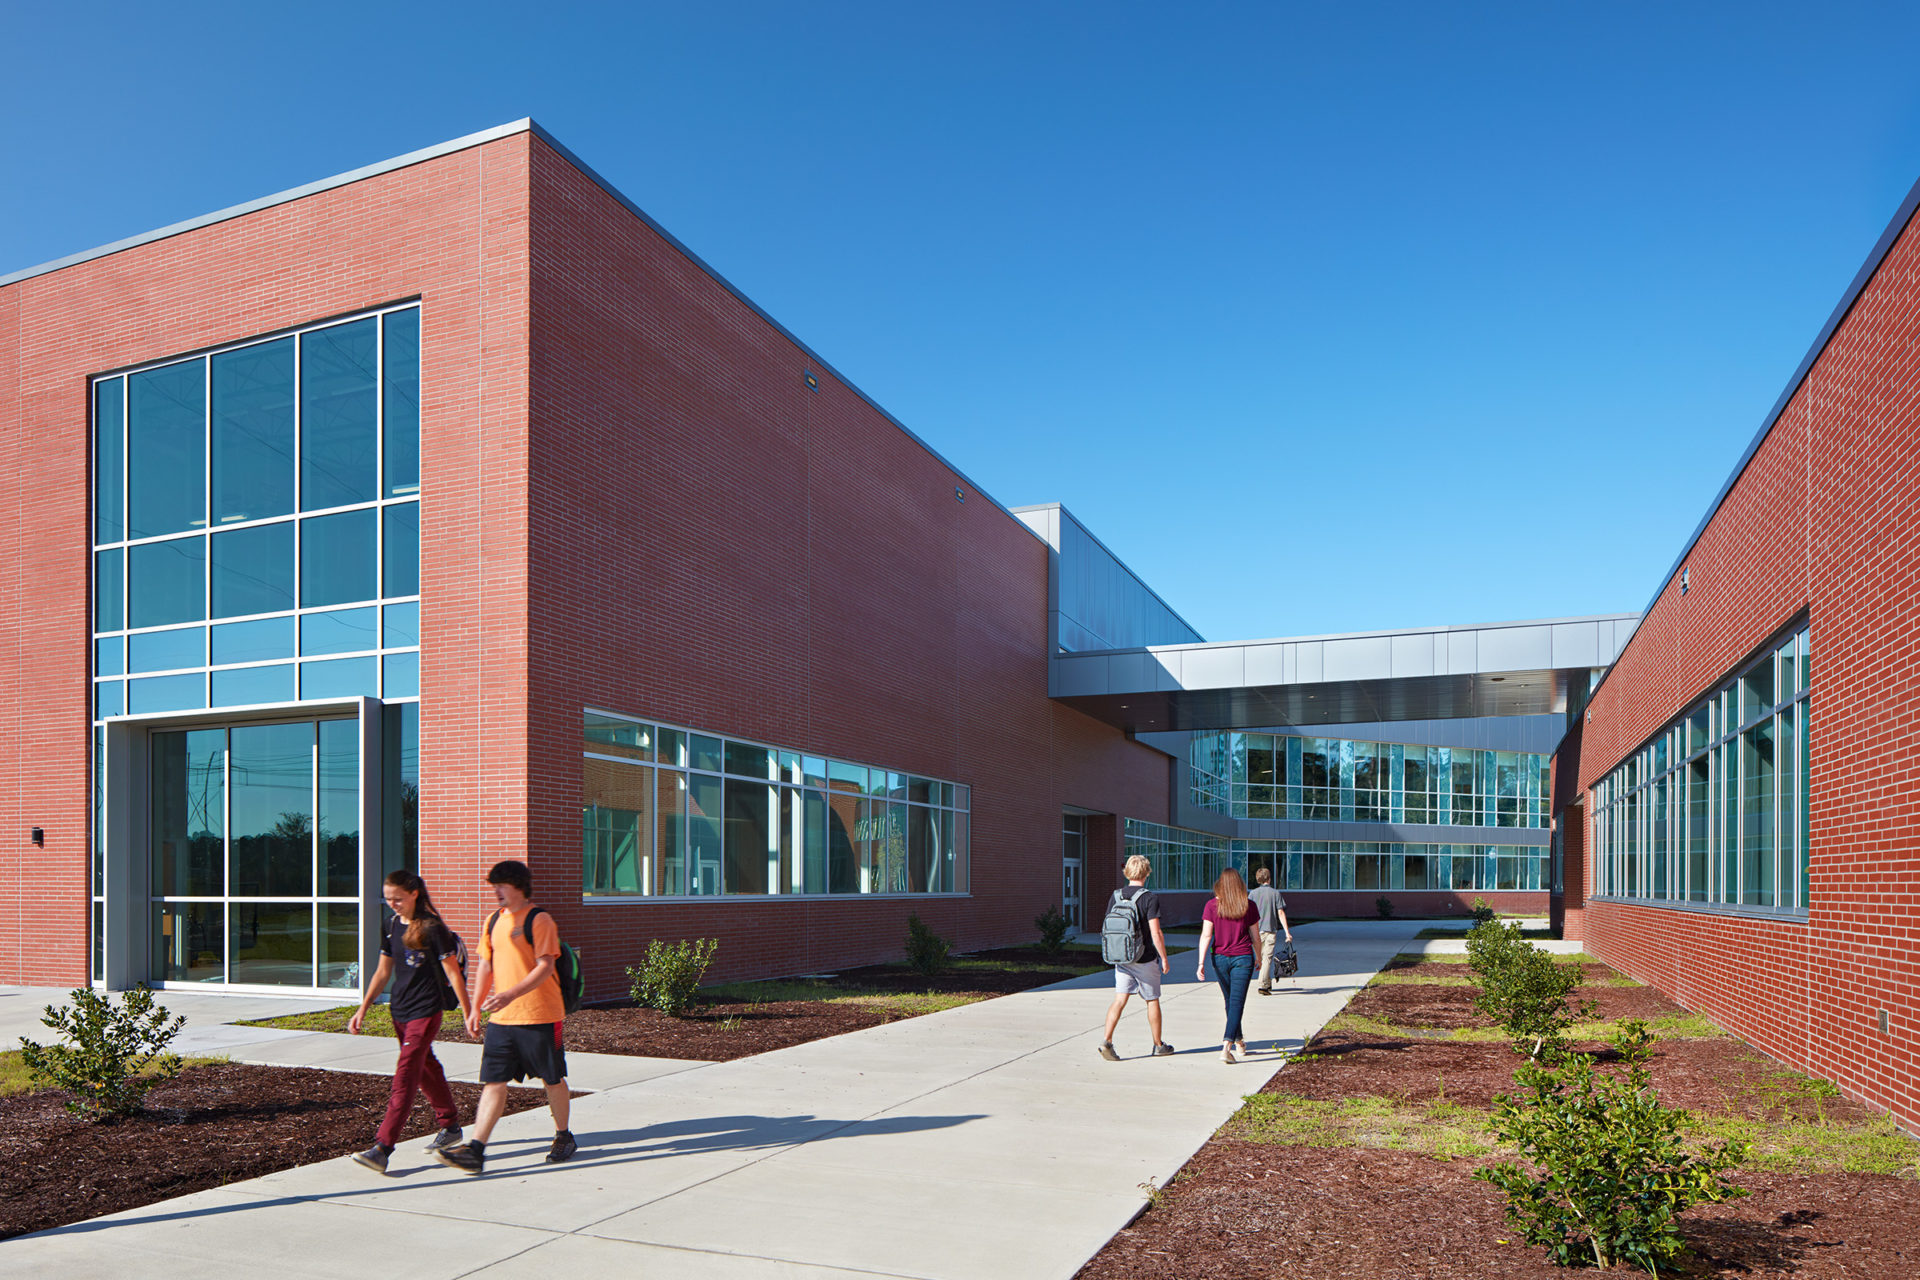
(518, 986)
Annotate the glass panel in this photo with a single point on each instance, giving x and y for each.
(168, 582)
(99, 971)
(339, 559)
(1699, 793)
(338, 678)
(748, 761)
(188, 814)
(704, 842)
(400, 788)
(253, 570)
(673, 747)
(814, 770)
(400, 625)
(272, 943)
(400, 389)
(922, 845)
(189, 942)
(167, 450)
(340, 945)
(844, 857)
(752, 835)
(109, 589)
(167, 650)
(816, 842)
(400, 675)
(340, 808)
(337, 412)
(611, 735)
(109, 461)
(616, 823)
(401, 550)
(166, 693)
(342, 631)
(672, 832)
(1756, 689)
(1756, 816)
(272, 811)
(253, 641)
(705, 751)
(889, 848)
(253, 686)
(109, 699)
(253, 432)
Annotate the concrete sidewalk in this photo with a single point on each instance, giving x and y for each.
(985, 1142)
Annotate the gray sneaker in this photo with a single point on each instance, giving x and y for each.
(448, 1137)
(374, 1158)
(1106, 1051)
(1162, 1050)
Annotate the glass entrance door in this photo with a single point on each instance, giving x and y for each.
(254, 857)
(1073, 853)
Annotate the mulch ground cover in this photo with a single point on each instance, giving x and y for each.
(209, 1126)
(1247, 1208)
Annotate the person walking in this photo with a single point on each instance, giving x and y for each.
(418, 954)
(1273, 912)
(1228, 925)
(1138, 977)
(519, 986)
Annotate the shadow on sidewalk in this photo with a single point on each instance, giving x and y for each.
(598, 1151)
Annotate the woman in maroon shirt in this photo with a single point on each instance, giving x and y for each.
(1228, 925)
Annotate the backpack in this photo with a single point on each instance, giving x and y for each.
(449, 998)
(573, 983)
(1120, 932)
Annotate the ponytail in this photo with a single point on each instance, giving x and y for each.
(425, 914)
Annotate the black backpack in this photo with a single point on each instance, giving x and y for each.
(1286, 961)
(573, 983)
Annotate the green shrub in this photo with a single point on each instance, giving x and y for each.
(927, 951)
(669, 974)
(1522, 989)
(1384, 905)
(1053, 925)
(1612, 1168)
(1482, 913)
(112, 1055)
(1491, 947)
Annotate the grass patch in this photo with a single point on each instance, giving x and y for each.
(1818, 1145)
(1674, 1026)
(1439, 1129)
(780, 990)
(16, 1079)
(379, 1022)
(1389, 978)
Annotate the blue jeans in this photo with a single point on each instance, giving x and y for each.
(1234, 974)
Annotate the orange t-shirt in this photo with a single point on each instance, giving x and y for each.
(505, 946)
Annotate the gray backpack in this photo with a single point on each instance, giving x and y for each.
(1120, 932)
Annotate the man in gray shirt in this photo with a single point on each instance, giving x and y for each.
(1273, 920)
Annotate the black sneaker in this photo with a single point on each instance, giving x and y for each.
(1106, 1051)
(1162, 1050)
(374, 1158)
(468, 1157)
(563, 1147)
(448, 1137)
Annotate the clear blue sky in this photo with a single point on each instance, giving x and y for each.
(1324, 317)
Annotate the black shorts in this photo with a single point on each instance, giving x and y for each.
(511, 1053)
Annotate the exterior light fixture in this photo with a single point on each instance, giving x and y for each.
(959, 494)
(1683, 580)
(813, 381)
(40, 836)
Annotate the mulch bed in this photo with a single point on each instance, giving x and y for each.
(211, 1125)
(1243, 1208)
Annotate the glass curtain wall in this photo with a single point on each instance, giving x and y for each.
(674, 812)
(1265, 775)
(1714, 809)
(1190, 860)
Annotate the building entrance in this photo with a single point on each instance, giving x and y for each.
(1073, 865)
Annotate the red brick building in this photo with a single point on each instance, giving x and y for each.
(1740, 819)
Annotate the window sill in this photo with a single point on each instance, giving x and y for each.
(1771, 914)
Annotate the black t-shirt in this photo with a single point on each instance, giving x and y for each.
(418, 979)
(1148, 908)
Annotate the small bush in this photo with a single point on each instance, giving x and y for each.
(669, 974)
(1522, 989)
(1491, 946)
(1384, 905)
(1612, 1167)
(1053, 925)
(112, 1056)
(927, 951)
(1482, 913)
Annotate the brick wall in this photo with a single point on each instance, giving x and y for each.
(1821, 520)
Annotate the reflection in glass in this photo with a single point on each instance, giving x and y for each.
(253, 432)
(166, 693)
(339, 678)
(109, 699)
(401, 552)
(110, 656)
(109, 462)
(705, 844)
(616, 820)
(108, 589)
(167, 582)
(337, 416)
(272, 943)
(257, 641)
(166, 450)
(272, 810)
(340, 945)
(167, 650)
(672, 831)
(400, 625)
(188, 813)
(339, 779)
(339, 558)
(401, 391)
(189, 942)
(400, 762)
(253, 686)
(342, 631)
(253, 570)
(752, 842)
(400, 675)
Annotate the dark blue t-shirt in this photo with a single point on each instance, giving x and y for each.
(419, 982)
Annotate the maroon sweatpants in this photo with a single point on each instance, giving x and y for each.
(418, 1069)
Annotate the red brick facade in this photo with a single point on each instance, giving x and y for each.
(1820, 521)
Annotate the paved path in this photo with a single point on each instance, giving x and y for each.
(989, 1141)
